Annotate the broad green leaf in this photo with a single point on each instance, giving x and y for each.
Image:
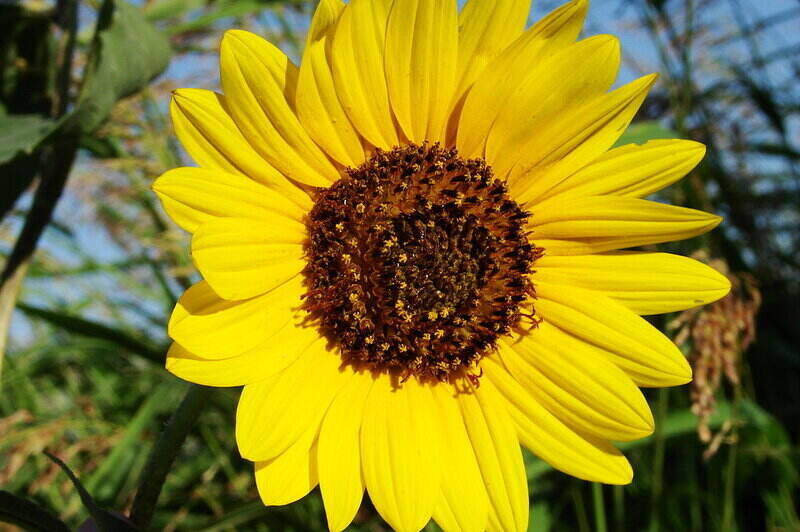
(22, 134)
(126, 54)
(641, 132)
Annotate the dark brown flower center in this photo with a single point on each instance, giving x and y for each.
(417, 261)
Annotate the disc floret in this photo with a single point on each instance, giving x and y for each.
(418, 261)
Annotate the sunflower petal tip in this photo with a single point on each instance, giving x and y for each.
(685, 376)
(715, 220)
(620, 476)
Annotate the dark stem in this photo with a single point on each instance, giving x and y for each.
(57, 164)
(164, 453)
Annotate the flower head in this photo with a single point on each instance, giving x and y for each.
(410, 247)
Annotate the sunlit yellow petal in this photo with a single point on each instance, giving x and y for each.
(499, 80)
(357, 60)
(421, 65)
(494, 441)
(242, 258)
(275, 413)
(554, 442)
(580, 72)
(463, 505)
(634, 345)
(212, 327)
(259, 363)
(646, 283)
(289, 477)
(259, 83)
(593, 396)
(400, 452)
(318, 105)
(593, 224)
(209, 134)
(339, 453)
(557, 148)
(633, 170)
(194, 196)
(485, 30)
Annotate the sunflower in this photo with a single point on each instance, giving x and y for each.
(411, 252)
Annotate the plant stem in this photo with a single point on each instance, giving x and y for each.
(580, 508)
(619, 507)
(164, 453)
(599, 508)
(658, 459)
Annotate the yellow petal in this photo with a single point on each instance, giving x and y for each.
(259, 363)
(208, 133)
(212, 327)
(421, 61)
(633, 170)
(485, 30)
(463, 505)
(243, 258)
(578, 73)
(646, 283)
(400, 453)
(494, 442)
(275, 413)
(318, 105)
(259, 83)
(289, 477)
(591, 395)
(194, 196)
(555, 149)
(551, 440)
(357, 60)
(340, 454)
(634, 345)
(500, 78)
(593, 224)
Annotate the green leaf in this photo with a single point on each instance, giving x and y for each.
(641, 132)
(126, 54)
(237, 8)
(104, 520)
(164, 9)
(28, 515)
(22, 134)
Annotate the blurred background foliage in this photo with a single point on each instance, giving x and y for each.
(84, 88)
